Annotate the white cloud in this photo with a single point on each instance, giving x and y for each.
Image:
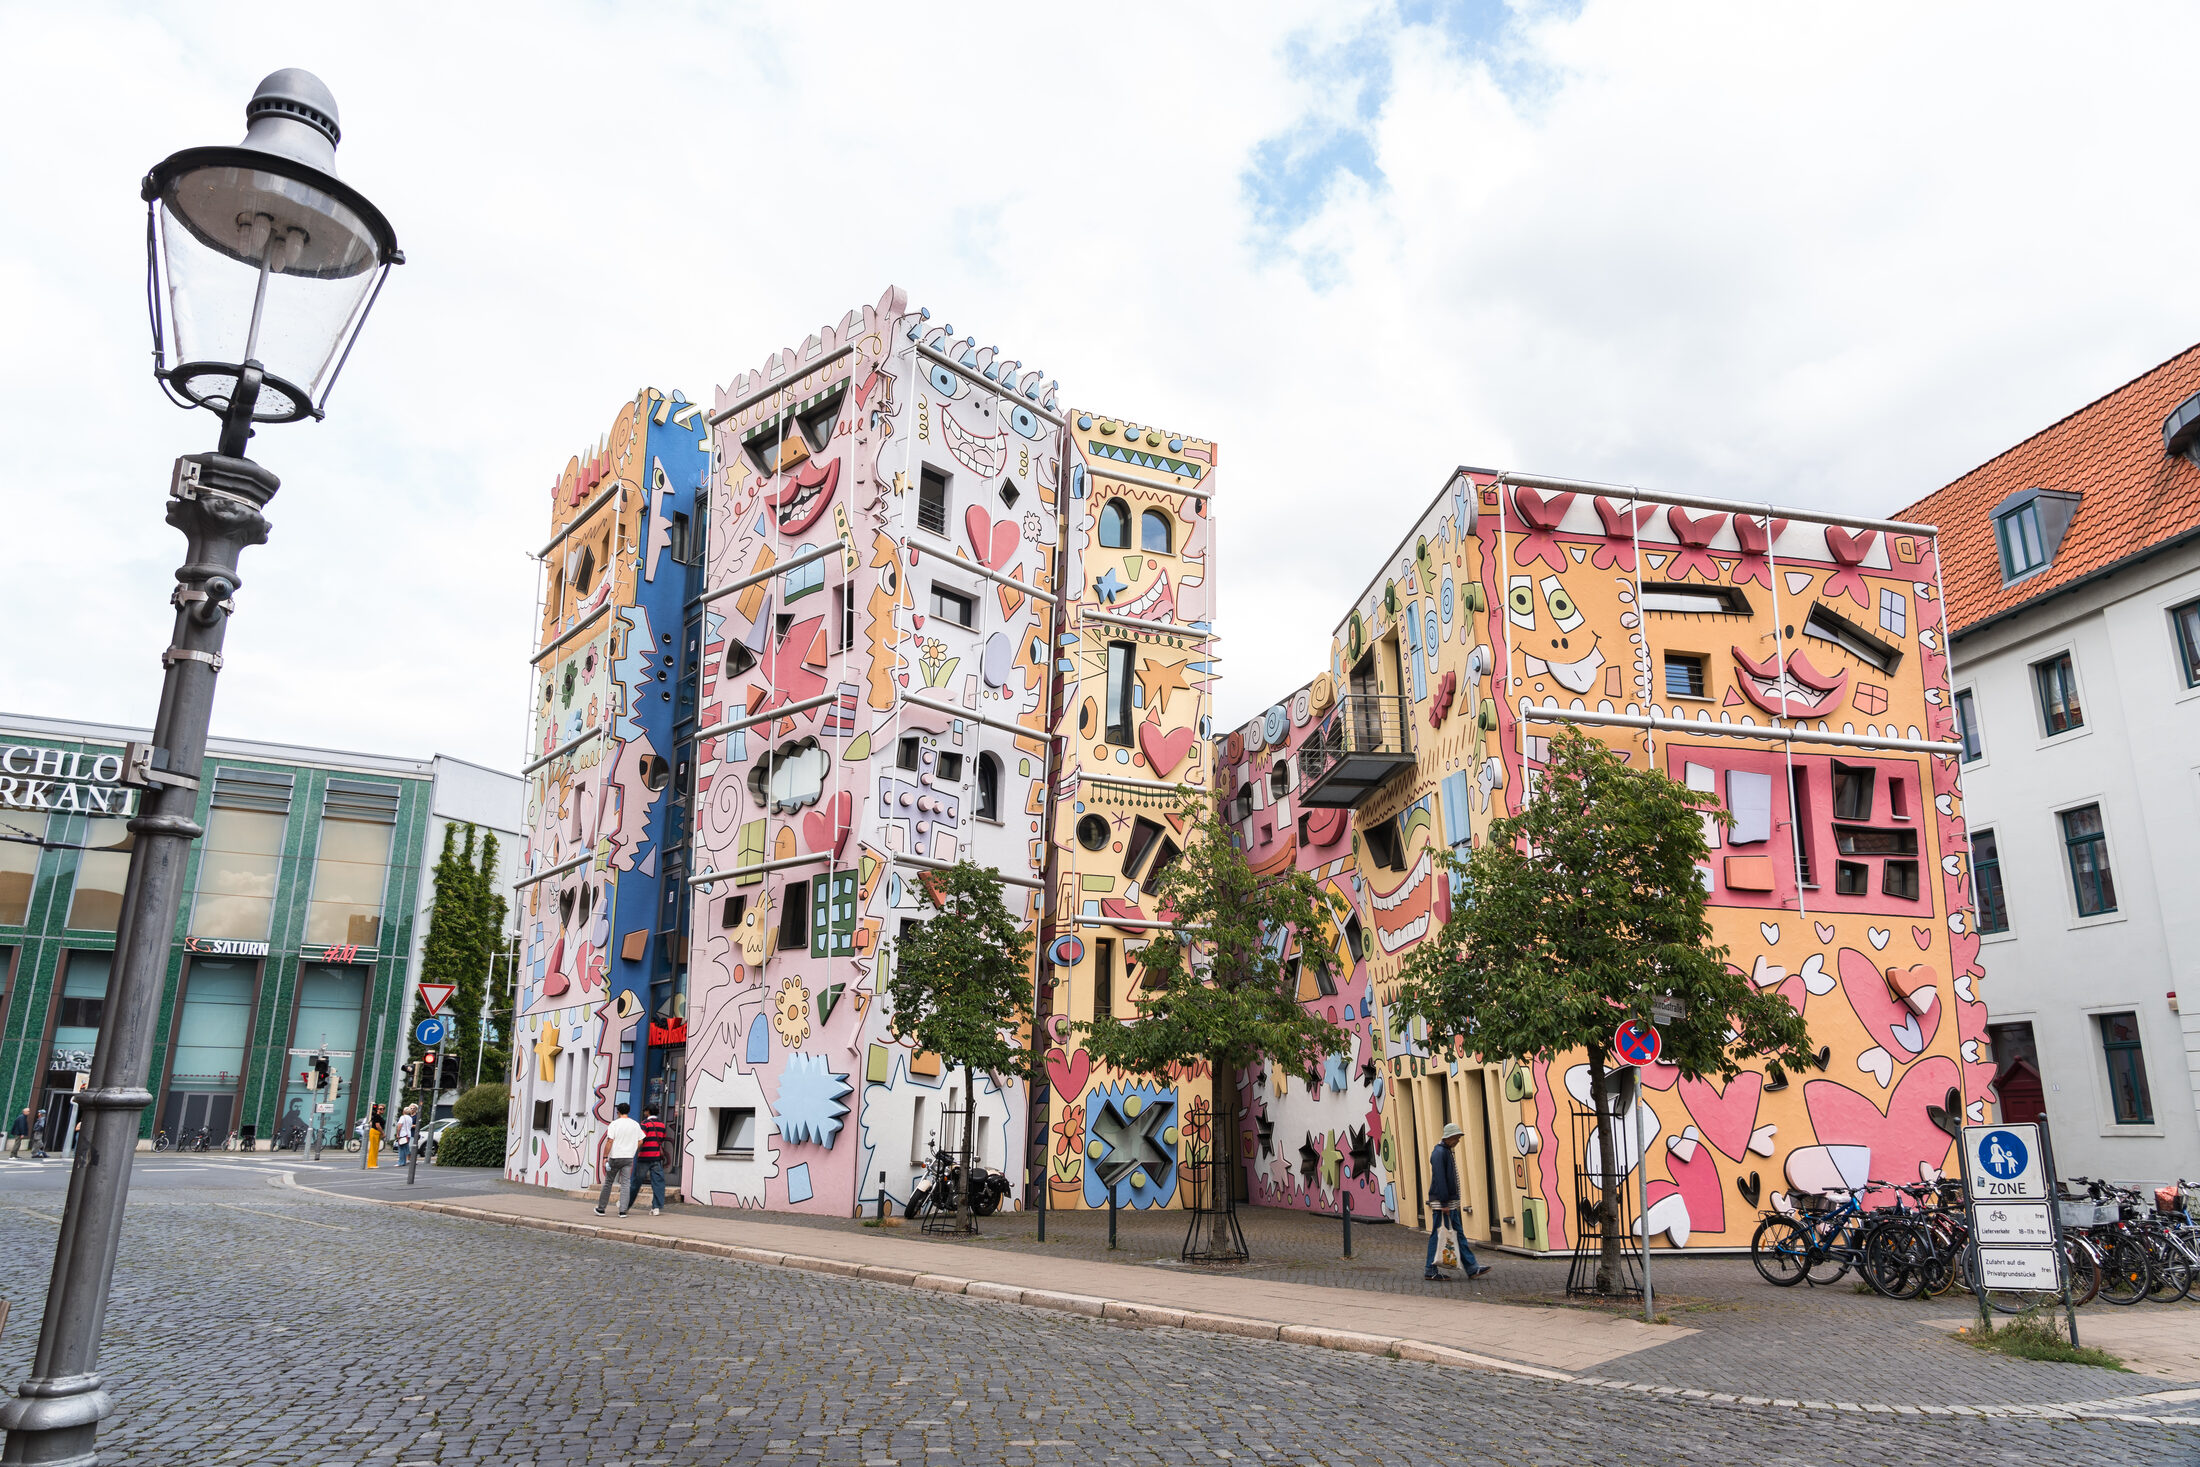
(1831, 258)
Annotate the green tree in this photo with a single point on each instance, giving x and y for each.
(1221, 984)
(961, 987)
(465, 942)
(1580, 912)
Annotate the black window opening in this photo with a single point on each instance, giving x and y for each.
(737, 1133)
(2087, 845)
(1164, 857)
(794, 916)
(739, 659)
(735, 909)
(2023, 549)
(1156, 532)
(1103, 977)
(1993, 909)
(1684, 675)
(1092, 832)
(680, 531)
(1854, 840)
(953, 606)
(844, 608)
(1898, 879)
(2057, 681)
(1115, 525)
(1386, 844)
(1852, 791)
(1829, 626)
(1140, 845)
(817, 423)
(1121, 665)
(989, 788)
(1279, 778)
(1967, 726)
(932, 501)
(764, 449)
(949, 769)
(1355, 937)
(1694, 600)
(910, 753)
(2185, 622)
(1801, 827)
(2127, 1069)
(1852, 878)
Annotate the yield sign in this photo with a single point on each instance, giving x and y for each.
(435, 995)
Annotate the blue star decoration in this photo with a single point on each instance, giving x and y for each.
(812, 1101)
(1109, 586)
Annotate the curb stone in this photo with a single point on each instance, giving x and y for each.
(1125, 1311)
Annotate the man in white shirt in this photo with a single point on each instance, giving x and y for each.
(405, 1124)
(625, 1136)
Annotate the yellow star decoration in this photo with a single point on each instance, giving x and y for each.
(1161, 679)
(547, 1050)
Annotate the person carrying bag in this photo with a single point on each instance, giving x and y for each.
(1447, 1236)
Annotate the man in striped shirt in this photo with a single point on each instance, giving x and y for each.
(649, 1158)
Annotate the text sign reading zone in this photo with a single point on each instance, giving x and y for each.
(2003, 1163)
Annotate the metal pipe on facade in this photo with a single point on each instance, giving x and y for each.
(578, 520)
(561, 751)
(979, 379)
(575, 630)
(757, 578)
(702, 878)
(1529, 713)
(557, 870)
(766, 715)
(793, 377)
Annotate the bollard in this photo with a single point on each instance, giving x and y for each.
(1111, 1219)
(882, 1197)
(1042, 1201)
(1347, 1224)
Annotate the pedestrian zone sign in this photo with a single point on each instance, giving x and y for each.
(436, 995)
(2004, 1164)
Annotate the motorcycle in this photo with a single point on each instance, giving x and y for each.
(940, 1188)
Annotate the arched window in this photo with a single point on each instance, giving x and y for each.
(1115, 525)
(989, 787)
(1279, 778)
(1155, 531)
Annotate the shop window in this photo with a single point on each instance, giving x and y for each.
(2057, 682)
(1115, 525)
(330, 1005)
(19, 853)
(1092, 832)
(1121, 663)
(1155, 532)
(2086, 844)
(1967, 729)
(1852, 792)
(1684, 675)
(2127, 1070)
(80, 1008)
(736, 1133)
(1993, 909)
(932, 501)
(2018, 535)
(794, 916)
(989, 788)
(2185, 620)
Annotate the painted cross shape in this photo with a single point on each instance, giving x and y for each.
(1637, 1043)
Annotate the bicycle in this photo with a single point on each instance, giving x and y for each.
(1824, 1239)
(160, 1140)
(2126, 1261)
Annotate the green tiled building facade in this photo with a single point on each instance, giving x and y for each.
(295, 931)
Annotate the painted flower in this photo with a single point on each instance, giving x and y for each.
(791, 1013)
(1069, 1131)
(1031, 528)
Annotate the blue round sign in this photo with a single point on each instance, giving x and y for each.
(1638, 1043)
(2002, 1155)
(430, 1031)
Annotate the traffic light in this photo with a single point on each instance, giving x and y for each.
(320, 1073)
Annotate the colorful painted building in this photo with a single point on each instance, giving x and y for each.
(921, 569)
(601, 905)
(1794, 665)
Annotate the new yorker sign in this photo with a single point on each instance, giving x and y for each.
(63, 781)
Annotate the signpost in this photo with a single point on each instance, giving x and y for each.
(436, 995)
(2016, 1237)
(1640, 1044)
(430, 1032)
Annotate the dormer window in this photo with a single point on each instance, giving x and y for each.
(2028, 530)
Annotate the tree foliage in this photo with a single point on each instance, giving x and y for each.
(465, 947)
(1577, 914)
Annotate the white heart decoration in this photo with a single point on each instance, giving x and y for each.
(1879, 936)
(1909, 1035)
(1684, 1145)
(1953, 865)
(1815, 977)
(1767, 975)
(1957, 921)
(1970, 1051)
(1945, 804)
(1975, 1112)
(1669, 1215)
(1878, 1064)
(1760, 1140)
(1781, 1203)
(1929, 1174)
(1771, 932)
(1963, 989)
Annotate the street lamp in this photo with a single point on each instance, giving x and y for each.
(262, 266)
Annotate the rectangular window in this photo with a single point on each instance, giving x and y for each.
(1749, 801)
(1993, 910)
(1899, 879)
(1103, 977)
(1829, 626)
(1684, 675)
(844, 604)
(1143, 834)
(736, 1133)
(2057, 681)
(1898, 799)
(19, 852)
(1120, 666)
(954, 606)
(1852, 878)
(1694, 600)
(101, 869)
(2018, 534)
(2186, 620)
(353, 865)
(1800, 826)
(208, 1054)
(950, 768)
(910, 753)
(1853, 840)
(833, 918)
(242, 861)
(932, 501)
(1852, 792)
(1967, 728)
(77, 1015)
(541, 1118)
(2087, 845)
(794, 916)
(2127, 1069)
(735, 909)
(331, 1001)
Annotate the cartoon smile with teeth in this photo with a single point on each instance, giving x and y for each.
(1402, 916)
(1158, 603)
(983, 456)
(807, 492)
(1574, 674)
(1798, 691)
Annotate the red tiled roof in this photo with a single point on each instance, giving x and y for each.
(2109, 452)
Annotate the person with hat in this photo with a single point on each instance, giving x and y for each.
(1443, 1206)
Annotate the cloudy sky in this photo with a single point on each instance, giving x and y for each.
(1826, 255)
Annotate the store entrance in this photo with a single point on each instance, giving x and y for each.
(190, 1111)
(59, 1106)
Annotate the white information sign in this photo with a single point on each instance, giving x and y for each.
(2026, 1269)
(2013, 1222)
(2004, 1163)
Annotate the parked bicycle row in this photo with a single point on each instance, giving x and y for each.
(2119, 1245)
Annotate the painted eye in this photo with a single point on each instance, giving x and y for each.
(1563, 610)
(946, 383)
(1024, 420)
(1520, 603)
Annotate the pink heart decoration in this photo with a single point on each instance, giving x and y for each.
(916, 621)
(1068, 1075)
(830, 826)
(1847, 548)
(1698, 1182)
(994, 543)
(1922, 936)
(1163, 751)
(1902, 1140)
(1725, 1120)
(1824, 931)
(1879, 1011)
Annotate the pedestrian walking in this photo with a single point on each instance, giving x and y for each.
(1443, 1203)
(404, 1136)
(625, 1135)
(374, 1136)
(649, 1157)
(19, 1133)
(38, 1138)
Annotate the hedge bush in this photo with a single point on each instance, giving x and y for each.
(484, 1105)
(471, 1145)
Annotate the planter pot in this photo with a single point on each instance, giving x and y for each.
(1061, 1193)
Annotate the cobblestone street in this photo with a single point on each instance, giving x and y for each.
(255, 1322)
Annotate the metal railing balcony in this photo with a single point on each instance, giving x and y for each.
(1359, 746)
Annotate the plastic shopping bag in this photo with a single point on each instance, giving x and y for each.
(1447, 1247)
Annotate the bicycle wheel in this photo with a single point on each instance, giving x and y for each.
(2082, 1266)
(2172, 1280)
(1835, 1254)
(1781, 1249)
(160, 1142)
(1894, 1260)
(2001, 1301)
(2127, 1275)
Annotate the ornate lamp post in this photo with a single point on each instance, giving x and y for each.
(261, 268)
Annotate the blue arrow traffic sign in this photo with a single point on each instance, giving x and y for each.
(430, 1031)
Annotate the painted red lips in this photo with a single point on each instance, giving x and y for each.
(807, 492)
(1799, 691)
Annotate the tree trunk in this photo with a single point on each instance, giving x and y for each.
(1608, 1267)
(970, 1123)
